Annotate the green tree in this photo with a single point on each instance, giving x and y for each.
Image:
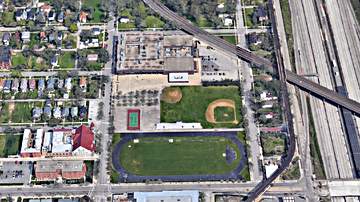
(7, 18)
(73, 27)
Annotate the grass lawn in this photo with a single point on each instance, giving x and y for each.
(230, 39)
(293, 173)
(129, 25)
(114, 176)
(95, 4)
(185, 156)
(194, 102)
(202, 22)
(18, 59)
(67, 60)
(153, 22)
(9, 144)
(224, 114)
(272, 144)
(2, 144)
(248, 16)
(22, 113)
(4, 113)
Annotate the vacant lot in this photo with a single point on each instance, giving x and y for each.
(97, 14)
(67, 60)
(185, 156)
(194, 103)
(273, 144)
(9, 144)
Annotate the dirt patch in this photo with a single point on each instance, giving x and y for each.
(210, 115)
(171, 95)
(11, 108)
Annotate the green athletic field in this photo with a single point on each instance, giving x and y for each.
(185, 156)
(194, 102)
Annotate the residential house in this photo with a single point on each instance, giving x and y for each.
(60, 17)
(43, 36)
(92, 57)
(5, 57)
(254, 39)
(260, 15)
(57, 112)
(46, 8)
(2, 5)
(228, 21)
(24, 85)
(220, 8)
(50, 84)
(15, 85)
(41, 84)
(83, 16)
(48, 102)
(95, 31)
(20, 14)
(54, 61)
(266, 96)
(68, 84)
(83, 141)
(124, 19)
(82, 112)
(51, 16)
(47, 112)
(2, 83)
(7, 86)
(25, 37)
(40, 17)
(60, 83)
(74, 112)
(65, 112)
(6, 38)
(31, 14)
(54, 170)
(36, 113)
(52, 37)
(269, 115)
(59, 35)
(32, 84)
(82, 82)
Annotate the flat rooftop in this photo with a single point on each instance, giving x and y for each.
(31, 142)
(152, 52)
(65, 166)
(167, 196)
(61, 141)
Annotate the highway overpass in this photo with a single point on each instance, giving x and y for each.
(248, 56)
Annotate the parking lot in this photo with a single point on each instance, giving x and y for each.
(15, 172)
(216, 66)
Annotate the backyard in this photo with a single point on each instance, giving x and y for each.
(194, 104)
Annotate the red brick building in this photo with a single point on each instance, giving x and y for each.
(54, 170)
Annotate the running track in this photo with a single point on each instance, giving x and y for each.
(125, 176)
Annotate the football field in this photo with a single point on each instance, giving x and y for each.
(180, 156)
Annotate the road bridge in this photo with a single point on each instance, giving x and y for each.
(250, 57)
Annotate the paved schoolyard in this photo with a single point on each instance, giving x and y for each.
(125, 176)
